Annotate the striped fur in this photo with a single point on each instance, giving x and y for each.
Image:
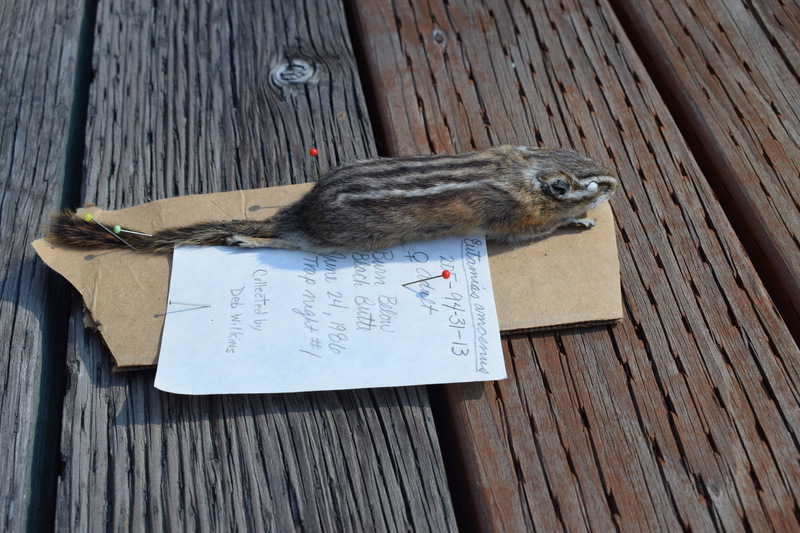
(507, 192)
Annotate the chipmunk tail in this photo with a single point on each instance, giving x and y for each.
(69, 229)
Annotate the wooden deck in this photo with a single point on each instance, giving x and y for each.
(686, 415)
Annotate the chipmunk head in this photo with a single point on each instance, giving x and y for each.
(569, 178)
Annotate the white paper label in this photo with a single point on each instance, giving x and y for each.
(264, 321)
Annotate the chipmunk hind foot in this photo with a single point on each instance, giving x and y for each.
(244, 241)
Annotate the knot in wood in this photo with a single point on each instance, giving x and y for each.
(292, 71)
(438, 36)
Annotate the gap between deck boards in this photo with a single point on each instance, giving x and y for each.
(58, 295)
(771, 272)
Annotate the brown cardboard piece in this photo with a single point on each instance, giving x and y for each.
(570, 278)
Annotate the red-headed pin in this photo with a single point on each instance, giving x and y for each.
(313, 152)
(445, 274)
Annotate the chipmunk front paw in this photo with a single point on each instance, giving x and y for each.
(585, 222)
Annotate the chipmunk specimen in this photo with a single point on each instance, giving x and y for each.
(508, 193)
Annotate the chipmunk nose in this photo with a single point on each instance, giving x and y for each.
(604, 183)
(607, 182)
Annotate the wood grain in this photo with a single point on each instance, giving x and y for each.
(731, 72)
(37, 76)
(206, 97)
(685, 414)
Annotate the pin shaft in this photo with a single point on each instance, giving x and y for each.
(191, 305)
(445, 275)
(135, 232)
(114, 234)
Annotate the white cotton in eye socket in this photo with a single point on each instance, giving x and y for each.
(592, 186)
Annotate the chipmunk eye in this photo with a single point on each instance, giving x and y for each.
(559, 188)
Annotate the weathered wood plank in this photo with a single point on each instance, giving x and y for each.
(185, 100)
(686, 414)
(731, 71)
(37, 76)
